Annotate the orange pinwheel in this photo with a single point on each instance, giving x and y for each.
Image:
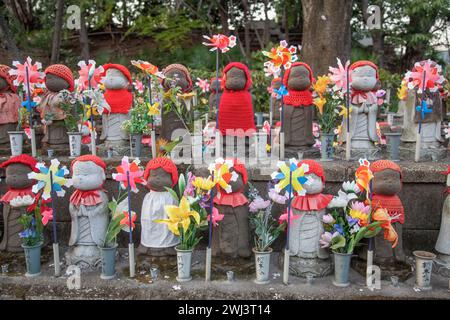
(363, 175)
(147, 67)
(282, 55)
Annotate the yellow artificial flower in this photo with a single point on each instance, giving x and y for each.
(153, 110)
(344, 112)
(402, 92)
(319, 103)
(203, 183)
(361, 216)
(167, 94)
(321, 85)
(179, 214)
(90, 110)
(186, 96)
(204, 101)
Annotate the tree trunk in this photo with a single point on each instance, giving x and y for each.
(246, 28)
(7, 41)
(84, 40)
(224, 16)
(22, 10)
(326, 33)
(285, 23)
(56, 45)
(266, 23)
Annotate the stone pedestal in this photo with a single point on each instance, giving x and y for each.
(301, 153)
(301, 267)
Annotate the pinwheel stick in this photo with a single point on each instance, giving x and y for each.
(150, 100)
(286, 248)
(93, 145)
(421, 115)
(33, 135)
(217, 88)
(130, 244)
(347, 106)
(369, 267)
(55, 237)
(208, 250)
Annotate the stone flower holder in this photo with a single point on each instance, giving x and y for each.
(424, 265)
(184, 259)
(33, 259)
(262, 264)
(74, 144)
(16, 140)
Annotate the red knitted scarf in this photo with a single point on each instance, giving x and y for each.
(298, 98)
(236, 111)
(119, 100)
(234, 199)
(312, 202)
(392, 204)
(86, 198)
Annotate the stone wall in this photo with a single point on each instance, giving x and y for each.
(422, 196)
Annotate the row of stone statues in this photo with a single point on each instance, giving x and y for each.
(90, 214)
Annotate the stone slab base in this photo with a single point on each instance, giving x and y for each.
(407, 151)
(400, 269)
(356, 154)
(301, 267)
(301, 153)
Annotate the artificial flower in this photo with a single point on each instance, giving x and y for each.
(321, 85)
(179, 215)
(220, 42)
(389, 232)
(139, 86)
(203, 84)
(292, 177)
(189, 189)
(339, 76)
(338, 228)
(147, 68)
(282, 55)
(342, 200)
(363, 175)
(432, 72)
(344, 112)
(325, 239)
(276, 197)
(47, 215)
(125, 222)
(270, 70)
(258, 204)
(284, 216)
(319, 103)
(360, 212)
(216, 216)
(21, 201)
(350, 186)
(328, 219)
(153, 109)
(135, 174)
(43, 179)
(402, 92)
(203, 184)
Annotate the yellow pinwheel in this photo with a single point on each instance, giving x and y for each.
(179, 215)
(44, 180)
(222, 175)
(292, 177)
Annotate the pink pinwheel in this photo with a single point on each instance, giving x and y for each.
(139, 86)
(89, 71)
(433, 76)
(47, 215)
(220, 42)
(203, 84)
(339, 76)
(35, 76)
(135, 173)
(216, 216)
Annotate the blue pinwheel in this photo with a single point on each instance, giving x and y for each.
(281, 92)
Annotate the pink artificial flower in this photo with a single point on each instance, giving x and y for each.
(135, 174)
(203, 84)
(360, 206)
(27, 132)
(284, 216)
(89, 71)
(339, 76)
(325, 239)
(47, 215)
(266, 127)
(139, 86)
(216, 216)
(276, 197)
(328, 219)
(258, 204)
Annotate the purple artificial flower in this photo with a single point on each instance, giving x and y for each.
(359, 206)
(328, 219)
(325, 239)
(204, 201)
(189, 190)
(258, 204)
(338, 228)
(276, 197)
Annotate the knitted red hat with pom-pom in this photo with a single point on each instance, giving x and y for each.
(119, 67)
(164, 163)
(63, 72)
(314, 167)
(22, 159)
(88, 157)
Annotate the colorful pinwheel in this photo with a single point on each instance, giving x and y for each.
(339, 76)
(44, 177)
(203, 84)
(280, 92)
(270, 70)
(282, 55)
(433, 76)
(33, 79)
(147, 68)
(221, 173)
(292, 177)
(134, 171)
(363, 175)
(90, 76)
(220, 42)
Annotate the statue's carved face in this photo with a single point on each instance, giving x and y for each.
(238, 185)
(299, 78)
(364, 78)
(17, 176)
(87, 176)
(236, 79)
(158, 179)
(3, 84)
(315, 185)
(115, 80)
(386, 182)
(176, 78)
(55, 83)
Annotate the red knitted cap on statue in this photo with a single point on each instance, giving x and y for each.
(362, 63)
(63, 72)
(22, 159)
(184, 70)
(381, 165)
(297, 64)
(89, 157)
(4, 73)
(164, 163)
(314, 167)
(241, 66)
(119, 67)
(239, 167)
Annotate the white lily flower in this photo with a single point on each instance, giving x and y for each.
(350, 186)
(341, 201)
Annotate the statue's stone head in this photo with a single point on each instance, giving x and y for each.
(364, 76)
(17, 169)
(88, 173)
(177, 75)
(116, 77)
(387, 177)
(315, 175)
(58, 77)
(299, 77)
(161, 173)
(237, 76)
